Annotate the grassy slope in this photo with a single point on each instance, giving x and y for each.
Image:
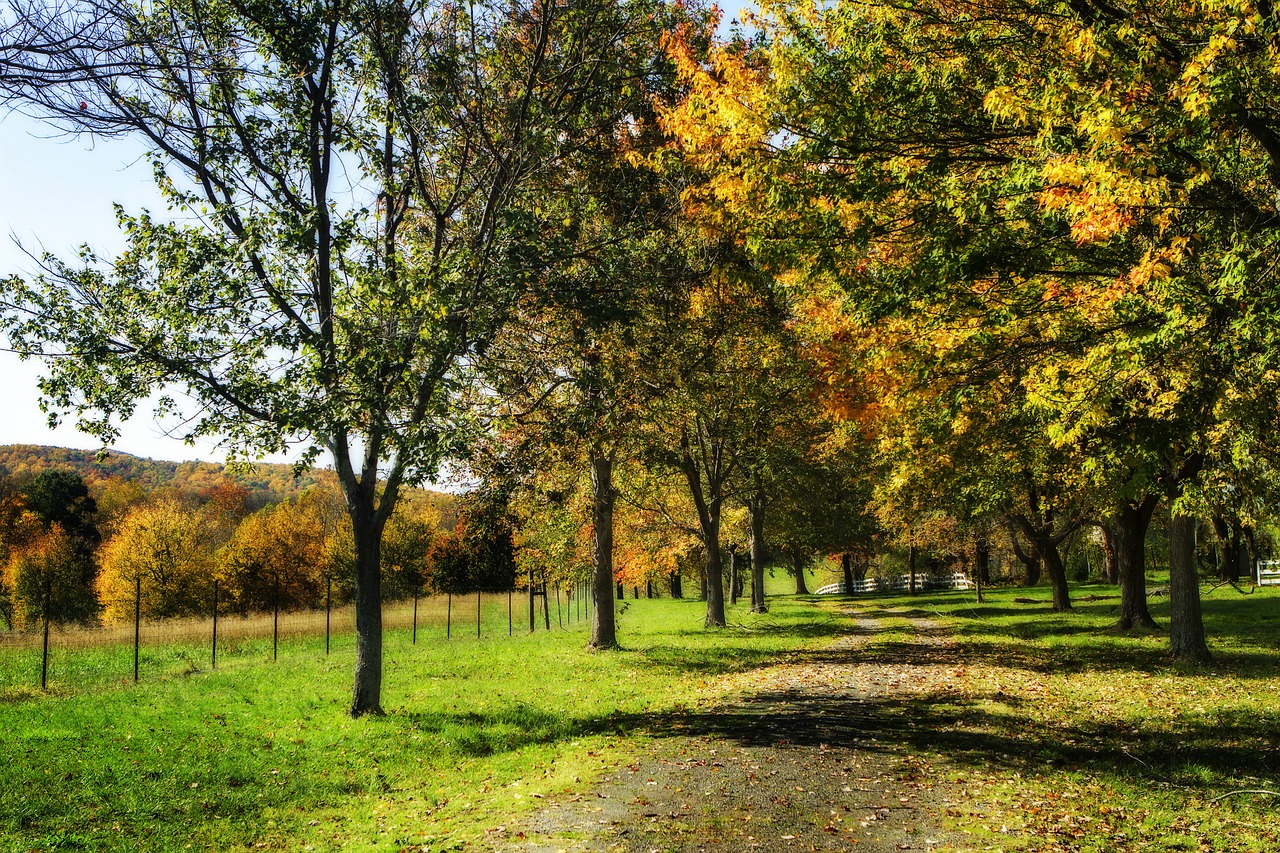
(263, 754)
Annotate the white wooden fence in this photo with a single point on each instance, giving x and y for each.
(1268, 572)
(952, 580)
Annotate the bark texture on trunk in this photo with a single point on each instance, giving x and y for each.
(797, 565)
(755, 517)
(911, 567)
(604, 632)
(982, 560)
(715, 583)
(732, 575)
(677, 585)
(1129, 534)
(1186, 623)
(846, 569)
(1057, 578)
(366, 696)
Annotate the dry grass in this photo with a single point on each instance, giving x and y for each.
(433, 616)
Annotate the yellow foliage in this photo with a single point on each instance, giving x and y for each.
(167, 547)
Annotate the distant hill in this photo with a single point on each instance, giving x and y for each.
(267, 483)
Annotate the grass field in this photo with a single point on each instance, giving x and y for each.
(1064, 735)
(262, 754)
(88, 658)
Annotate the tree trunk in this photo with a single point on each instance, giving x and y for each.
(648, 588)
(677, 585)
(755, 517)
(1186, 623)
(1129, 533)
(1031, 561)
(1040, 534)
(1033, 564)
(366, 697)
(1057, 576)
(982, 567)
(714, 574)
(732, 575)
(846, 568)
(1232, 547)
(702, 578)
(911, 567)
(1109, 551)
(533, 604)
(603, 624)
(797, 563)
(1244, 555)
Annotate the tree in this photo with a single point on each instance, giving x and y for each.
(287, 555)
(52, 536)
(48, 580)
(358, 176)
(164, 551)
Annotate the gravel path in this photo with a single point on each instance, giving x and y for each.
(805, 758)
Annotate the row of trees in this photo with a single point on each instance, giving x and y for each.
(861, 274)
(1045, 235)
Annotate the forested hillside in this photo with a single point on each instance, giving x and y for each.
(266, 483)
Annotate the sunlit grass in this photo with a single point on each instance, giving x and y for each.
(258, 752)
(82, 658)
(1069, 735)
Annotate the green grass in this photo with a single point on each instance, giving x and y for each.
(1067, 735)
(262, 754)
(1058, 733)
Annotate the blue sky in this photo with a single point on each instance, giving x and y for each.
(56, 193)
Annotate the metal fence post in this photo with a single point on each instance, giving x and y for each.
(137, 624)
(275, 622)
(214, 656)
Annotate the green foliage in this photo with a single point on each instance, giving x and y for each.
(479, 553)
(53, 579)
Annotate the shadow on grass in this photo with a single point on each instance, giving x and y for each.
(991, 730)
(993, 734)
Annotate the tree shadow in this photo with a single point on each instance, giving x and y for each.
(990, 732)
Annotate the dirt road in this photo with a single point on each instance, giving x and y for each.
(805, 757)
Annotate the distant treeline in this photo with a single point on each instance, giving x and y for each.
(81, 540)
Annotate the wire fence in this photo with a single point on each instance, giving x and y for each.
(75, 657)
